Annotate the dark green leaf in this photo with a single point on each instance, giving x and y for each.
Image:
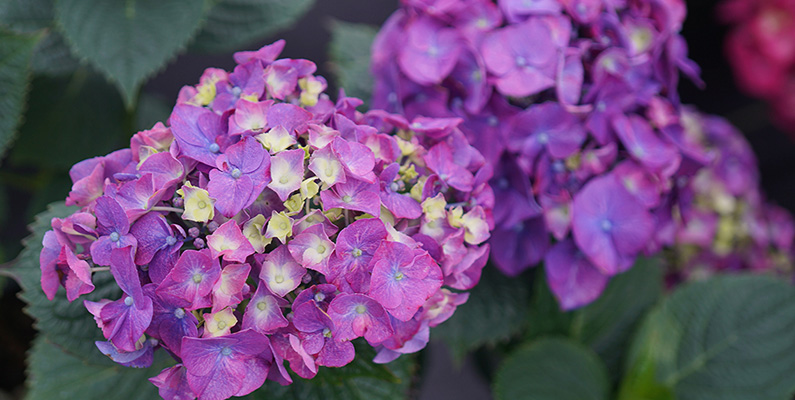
(350, 57)
(360, 380)
(52, 55)
(727, 338)
(64, 362)
(68, 325)
(233, 24)
(129, 40)
(69, 120)
(26, 15)
(16, 51)
(496, 311)
(545, 317)
(56, 375)
(150, 110)
(607, 324)
(553, 369)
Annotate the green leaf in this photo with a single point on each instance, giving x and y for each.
(554, 369)
(233, 24)
(129, 40)
(69, 120)
(607, 324)
(545, 317)
(350, 57)
(360, 380)
(151, 109)
(727, 338)
(26, 16)
(55, 375)
(51, 56)
(66, 324)
(16, 51)
(496, 310)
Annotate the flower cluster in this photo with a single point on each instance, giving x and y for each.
(761, 50)
(722, 222)
(573, 102)
(267, 223)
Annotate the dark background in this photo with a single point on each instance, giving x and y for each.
(309, 39)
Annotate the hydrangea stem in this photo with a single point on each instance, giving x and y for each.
(168, 209)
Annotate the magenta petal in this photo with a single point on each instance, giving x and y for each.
(646, 146)
(231, 194)
(126, 273)
(357, 315)
(280, 272)
(172, 384)
(429, 52)
(228, 241)
(574, 281)
(353, 195)
(357, 158)
(609, 225)
(221, 367)
(263, 313)
(403, 279)
(336, 353)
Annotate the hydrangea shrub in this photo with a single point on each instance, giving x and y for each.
(723, 222)
(573, 102)
(266, 223)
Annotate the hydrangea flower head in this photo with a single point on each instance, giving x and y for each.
(264, 222)
(723, 222)
(573, 104)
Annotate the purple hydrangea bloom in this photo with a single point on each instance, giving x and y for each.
(610, 225)
(356, 245)
(113, 229)
(403, 279)
(172, 384)
(171, 320)
(222, 367)
(556, 95)
(356, 315)
(198, 132)
(430, 51)
(192, 279)
(259, 154)
(573, 279)
(158, 245)
(243, 171)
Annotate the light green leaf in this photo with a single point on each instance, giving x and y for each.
(496, 310)
(607, 324)
(727, 338)
(233, 24)
(552, 369)
(16, 51)
(350, 57)
(69, 120)
(129, 40)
